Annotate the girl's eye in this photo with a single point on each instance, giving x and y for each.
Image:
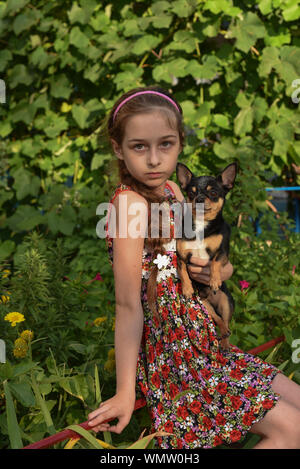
(168, 143)
(138, 145)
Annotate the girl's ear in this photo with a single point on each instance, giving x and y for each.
(117, 149)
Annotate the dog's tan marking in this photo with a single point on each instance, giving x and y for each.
(215, 208)
(214, 242)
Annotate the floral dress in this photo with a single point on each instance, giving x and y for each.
(203, 396)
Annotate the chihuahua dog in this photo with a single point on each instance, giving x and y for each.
(212, 244)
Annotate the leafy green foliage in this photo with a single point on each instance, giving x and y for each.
(232, 66)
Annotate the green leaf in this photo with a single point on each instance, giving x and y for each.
(60, 86)
(243, 121)
(26, 20)
(19, 75)
(81, 115)
(221, 121)
(145, 43)
(90, 438)
(12, 422)
(76, 386)
(23, 393)
(14, 5)
(144, 442)
(247, 31)
(78, 38)
(7, 247)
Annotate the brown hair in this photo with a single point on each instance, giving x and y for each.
(116, 128)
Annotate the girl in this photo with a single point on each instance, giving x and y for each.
(202, 396)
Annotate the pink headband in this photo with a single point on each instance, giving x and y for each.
(145, 92)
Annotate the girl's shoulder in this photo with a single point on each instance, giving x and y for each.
(134, 196)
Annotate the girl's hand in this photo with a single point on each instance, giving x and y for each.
(120, 406)
(199, 270)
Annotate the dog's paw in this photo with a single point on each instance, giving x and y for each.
(188, 292)
(215, 285)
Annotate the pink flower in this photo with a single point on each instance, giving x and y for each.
(244, 284)
(98, 277)
(293, 271)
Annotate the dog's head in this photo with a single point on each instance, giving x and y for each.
(207, 190)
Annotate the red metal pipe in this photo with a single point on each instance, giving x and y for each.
(67, 434)
(263, 347)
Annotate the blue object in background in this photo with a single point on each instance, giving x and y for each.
(281, 204)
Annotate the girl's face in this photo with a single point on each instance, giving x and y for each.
(149, 145)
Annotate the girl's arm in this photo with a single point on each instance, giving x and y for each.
(127, 267)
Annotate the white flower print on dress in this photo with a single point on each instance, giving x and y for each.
(161, 261)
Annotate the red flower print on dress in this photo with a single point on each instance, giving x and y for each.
(182, 412)
(169, 425)
(155, 379)
(187, 355)
(190, 436)
(220, 420)
(179, 443)
(160, 408)
(236, 402)
(165, 314)
(159, 348)
(218, 440)
(193, 334)
(195, 407)
(235, 435)
(207, 422)
(267, 372)
(173, 390)
(206, 373)
(194, 373)
(171, 336)
(180, 334)
(151, 354)
(267, 404)
(248, 419)
(165, 370)
(207, 396)
(193, 314)
(250, 392)
(236, 374)
(185, 386)
(222, 388)
(177, 359)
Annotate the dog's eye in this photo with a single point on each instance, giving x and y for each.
(213, 193)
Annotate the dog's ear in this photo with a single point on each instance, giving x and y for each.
(184, 175)
(227, 176)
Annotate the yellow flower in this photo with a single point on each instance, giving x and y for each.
(27, 335)
(4, 299)
(14, 318)
(5, 273)
(111, 354)
(110, 365)
(99, 321)
(20, 348)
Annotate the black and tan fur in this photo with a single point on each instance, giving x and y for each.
(213, 245)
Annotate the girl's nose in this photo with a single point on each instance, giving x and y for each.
(153, 156)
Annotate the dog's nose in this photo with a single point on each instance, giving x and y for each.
(200, 199)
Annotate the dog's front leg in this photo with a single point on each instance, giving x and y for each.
(187, 286)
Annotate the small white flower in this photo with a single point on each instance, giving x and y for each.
(161, 261)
